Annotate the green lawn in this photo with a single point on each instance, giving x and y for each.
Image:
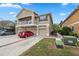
(77, 43)
(46, 47)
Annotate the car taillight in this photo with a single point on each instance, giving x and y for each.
(23, 33)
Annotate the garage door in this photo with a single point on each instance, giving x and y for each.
(43, 32)
(32, 29)
(20, 30)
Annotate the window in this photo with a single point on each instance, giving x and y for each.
(72, 28)
(29, 22)
(42, 18)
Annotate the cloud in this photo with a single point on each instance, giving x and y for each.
(12, 13)
(26, 3)
(62, 14)
(10, 5)
(64, 4)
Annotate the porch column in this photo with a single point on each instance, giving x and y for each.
(16, 30)
(37, 30)
(47, 30)
(33, 19)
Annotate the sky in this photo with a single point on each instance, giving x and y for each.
(59, 11)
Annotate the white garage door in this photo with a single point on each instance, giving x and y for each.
(20, 30)
(43, 32)
(32, 29)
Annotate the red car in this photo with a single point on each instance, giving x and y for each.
(25, 34)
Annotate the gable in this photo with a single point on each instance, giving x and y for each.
(73, 17)
(24, 13)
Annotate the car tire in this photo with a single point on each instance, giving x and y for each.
(3, 34)
(22, 37)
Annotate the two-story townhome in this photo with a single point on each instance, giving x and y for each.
(30, 21)
(72, 21)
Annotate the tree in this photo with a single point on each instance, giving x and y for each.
(65, 31)
(61, 23)
(56, 27)
(62, 30)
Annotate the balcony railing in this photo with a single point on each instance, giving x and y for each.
(42, 22)
(24, 22)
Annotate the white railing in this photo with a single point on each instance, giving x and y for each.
(42, 22)
(24, 22)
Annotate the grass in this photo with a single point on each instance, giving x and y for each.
(46, 47)
(77, 43)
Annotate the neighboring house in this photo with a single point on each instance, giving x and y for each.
(30, 21)
(72, 21)
(7, 24)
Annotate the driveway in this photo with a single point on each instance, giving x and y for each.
(8, 39)
(14, 46)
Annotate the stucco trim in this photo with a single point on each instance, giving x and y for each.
(73, 24)
(26, 10)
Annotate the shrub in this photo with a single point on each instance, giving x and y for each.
(62, 30)
(56, 27)
(72, 33)
(65, 31)
(53, 32)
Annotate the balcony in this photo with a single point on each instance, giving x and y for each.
(24, 22)
(43, 22)
(43, 19)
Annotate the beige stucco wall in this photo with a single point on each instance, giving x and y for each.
(45, 30)
(72, 22)
(76, 28)
(42, 31)
(73, 18)
(24, 13)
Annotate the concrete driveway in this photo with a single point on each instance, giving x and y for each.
(13, 45)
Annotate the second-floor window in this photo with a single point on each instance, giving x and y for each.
(43, 18)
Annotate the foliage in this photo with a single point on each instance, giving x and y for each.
(65, 31)
(62, 30)
(73, 34)
(56, 27)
